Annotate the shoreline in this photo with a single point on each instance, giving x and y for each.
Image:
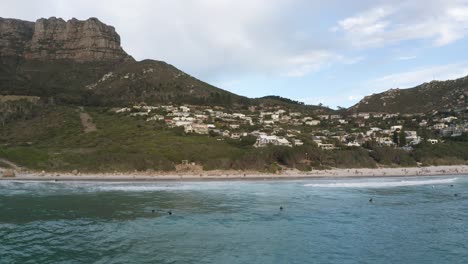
(290, 174)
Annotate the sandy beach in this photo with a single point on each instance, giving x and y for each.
(241, 175)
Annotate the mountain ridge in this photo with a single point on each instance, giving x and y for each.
(82, 63)
(449, 95)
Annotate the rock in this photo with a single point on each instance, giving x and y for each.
(8, 173)
(54, 38)
(75, 172)
(14, 36)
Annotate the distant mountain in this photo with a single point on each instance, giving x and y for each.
(433, 96)
(82, 63)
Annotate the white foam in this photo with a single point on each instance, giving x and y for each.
(380, 184)
(142, 188)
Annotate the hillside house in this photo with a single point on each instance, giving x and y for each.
(326, 146)
(384, 141)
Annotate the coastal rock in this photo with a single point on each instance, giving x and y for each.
(54, 38)
(8, 173)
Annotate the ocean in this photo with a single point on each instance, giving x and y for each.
(367, 220)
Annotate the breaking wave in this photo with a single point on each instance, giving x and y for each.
(380, 184)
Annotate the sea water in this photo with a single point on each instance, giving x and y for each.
(410, 220)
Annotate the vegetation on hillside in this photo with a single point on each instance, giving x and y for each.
(53, 139)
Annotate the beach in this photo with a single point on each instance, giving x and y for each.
(241, 175)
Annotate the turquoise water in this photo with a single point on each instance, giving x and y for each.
(411, 220)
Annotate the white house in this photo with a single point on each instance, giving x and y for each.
(313, 123)
(326, 146)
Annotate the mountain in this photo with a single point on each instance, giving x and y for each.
(54, 38)
(433, 96)
(82, 63)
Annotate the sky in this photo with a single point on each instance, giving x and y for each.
(331, 52)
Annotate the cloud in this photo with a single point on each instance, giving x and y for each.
(403, 58)
(441, 22)
(415, 77)
(303, 64)
(354, 97)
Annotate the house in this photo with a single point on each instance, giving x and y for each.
(298, 142)
(196, 128)
(394, 128)
(323, 117)
(342, 121)
(433, 141)
(377, 115)
(453, 131)
(226, 133)
(234, 126)
(123, 110)
(181, 123)
(200, 128)
(313, 123)
(364, 115)
(155, 118)
(188, 128)
(275, 116)
(326, 146)
(238, 115)
(139, 114)
(235, 135)
(184, 109)
(353, 144)
(412, 137)
(439, 126)
(281, 141)
(384, 141)
(264, 140)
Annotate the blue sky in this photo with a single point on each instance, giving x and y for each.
(332, 52)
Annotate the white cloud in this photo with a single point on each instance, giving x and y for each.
(303, 64)
(441, 22)
(415, 77)
(355, 97)
(404, 58)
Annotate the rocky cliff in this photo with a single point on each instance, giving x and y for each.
(14, 36)
(54, 38)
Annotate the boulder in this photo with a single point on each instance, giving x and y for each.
(8, 173)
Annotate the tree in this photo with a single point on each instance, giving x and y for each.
(395, 137)
(402, 138)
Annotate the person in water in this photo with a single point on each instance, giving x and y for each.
(281, 208)
(371, 200)
(170, 212)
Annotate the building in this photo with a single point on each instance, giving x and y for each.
(326, 146)
(196, 128)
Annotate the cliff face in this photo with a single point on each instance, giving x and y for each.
(54, 38)
(14, 36)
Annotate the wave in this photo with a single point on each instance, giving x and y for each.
(84, 186)
(380, 184)
(142, 188)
